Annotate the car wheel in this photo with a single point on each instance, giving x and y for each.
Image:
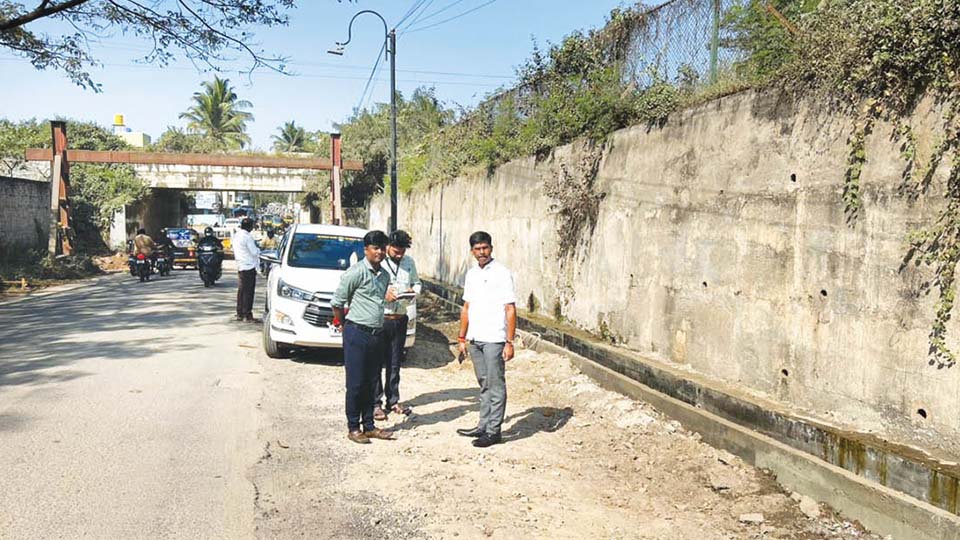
(271, 347)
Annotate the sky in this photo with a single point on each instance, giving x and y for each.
(463, 59)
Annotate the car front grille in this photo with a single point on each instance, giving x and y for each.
(318, 311)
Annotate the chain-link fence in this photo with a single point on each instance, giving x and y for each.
(679, 40)
(682, 42)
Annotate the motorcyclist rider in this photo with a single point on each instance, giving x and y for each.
(165, 243)
(270, 242)
(210, 239)
(143, 244)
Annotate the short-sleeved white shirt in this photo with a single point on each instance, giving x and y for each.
(488, 290)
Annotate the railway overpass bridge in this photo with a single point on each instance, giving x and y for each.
(170, 173)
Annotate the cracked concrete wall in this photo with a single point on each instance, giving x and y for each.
(24, 213)
(722, 247)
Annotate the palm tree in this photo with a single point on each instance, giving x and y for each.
(219, 116)
(292, 138)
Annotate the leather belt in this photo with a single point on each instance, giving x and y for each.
(368, 329)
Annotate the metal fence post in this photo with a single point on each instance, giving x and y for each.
(715, 41)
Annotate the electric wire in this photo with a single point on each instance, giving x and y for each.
(133, 68)
(416, 18)
(416, 5)
(455, 17)
(441, 10)
(373, 73)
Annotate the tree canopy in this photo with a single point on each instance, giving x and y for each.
(219, 115)
(205, 31)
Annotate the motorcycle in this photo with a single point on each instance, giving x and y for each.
(210, 264)
(141, 267)
(162, 263)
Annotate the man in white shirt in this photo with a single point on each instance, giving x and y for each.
(247, 255)
(488, 324)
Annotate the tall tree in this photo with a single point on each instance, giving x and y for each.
(204, 31)
(219, 116)
(291, 138)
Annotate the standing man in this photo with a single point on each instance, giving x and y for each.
(247, 255)
(488, 324)
(364, 287)
(401, 304)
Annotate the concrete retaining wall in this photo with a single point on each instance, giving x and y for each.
(721, 247)
(24, 213)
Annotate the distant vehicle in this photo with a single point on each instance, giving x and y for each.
(200, 221)
(232, 223)
(276, 223)
(305, 272)
(225, 234)
(184, 246)
(288, 219)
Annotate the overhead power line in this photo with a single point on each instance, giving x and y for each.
(416, 5)
(414, 20)
(132, 68)
(441, 10)
(373, 73)
(455, 17)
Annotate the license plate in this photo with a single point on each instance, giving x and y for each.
(334, 331)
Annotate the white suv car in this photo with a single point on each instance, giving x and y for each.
(303, 277)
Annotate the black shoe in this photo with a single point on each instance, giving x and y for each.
(487, 440)
(474, 432)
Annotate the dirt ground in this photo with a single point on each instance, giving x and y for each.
(577, 462)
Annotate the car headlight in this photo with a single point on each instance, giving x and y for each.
(293, 293)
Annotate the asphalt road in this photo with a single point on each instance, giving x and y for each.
(129, 410)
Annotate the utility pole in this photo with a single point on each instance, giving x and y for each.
(390, 45)
(393, 130)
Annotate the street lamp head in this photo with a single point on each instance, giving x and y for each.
(338, 50)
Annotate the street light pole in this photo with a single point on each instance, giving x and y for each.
(390, 44)
(393, 130)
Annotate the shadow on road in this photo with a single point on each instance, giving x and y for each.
(109, 319)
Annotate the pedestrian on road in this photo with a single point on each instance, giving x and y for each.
(488, 324)
(143, 244)
(363, 286)
(401, 304)
(247, 255)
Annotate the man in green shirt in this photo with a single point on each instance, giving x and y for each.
(364, 288)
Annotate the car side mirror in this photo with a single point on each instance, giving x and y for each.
(271, 257)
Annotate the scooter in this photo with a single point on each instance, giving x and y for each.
(210, 264)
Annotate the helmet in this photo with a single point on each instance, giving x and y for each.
(208, 231)
(270, 233)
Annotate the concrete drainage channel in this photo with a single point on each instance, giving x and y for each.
(889, 489)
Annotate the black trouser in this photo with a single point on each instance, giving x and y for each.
(248, 283)
(362, 354)
(394, 335)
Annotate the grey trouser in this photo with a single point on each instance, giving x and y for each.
(488, 365)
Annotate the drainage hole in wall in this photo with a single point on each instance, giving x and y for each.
(721, 192)
(793, 177)
(823, 293)
(704, 284)
(784, 372)
(922, 413)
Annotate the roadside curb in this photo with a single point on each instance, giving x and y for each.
(852, 475)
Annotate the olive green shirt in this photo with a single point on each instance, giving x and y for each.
(364, 289)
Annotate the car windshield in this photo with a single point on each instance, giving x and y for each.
(324, 251)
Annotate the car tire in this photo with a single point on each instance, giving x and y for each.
(271, 347)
